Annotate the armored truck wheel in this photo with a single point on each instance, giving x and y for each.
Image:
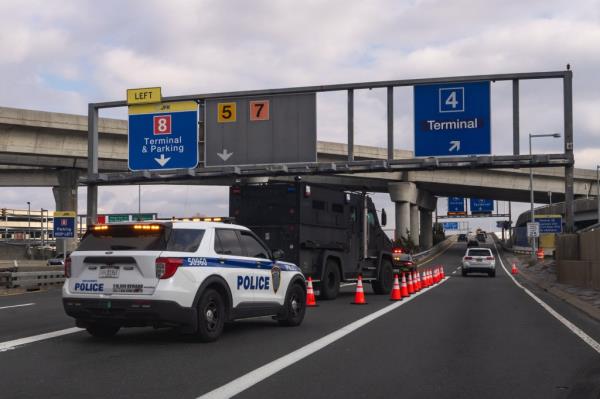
(330, 284)
(386, 278)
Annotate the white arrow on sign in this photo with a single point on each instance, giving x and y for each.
(455, 146)
(225, 155)
(162, 161)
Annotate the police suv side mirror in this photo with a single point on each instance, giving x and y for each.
(278, 254)
(383, 217)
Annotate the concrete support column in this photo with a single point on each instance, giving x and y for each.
(402, 219)
(426, 236)
(403, 194)
(414, 223)
(65, 196)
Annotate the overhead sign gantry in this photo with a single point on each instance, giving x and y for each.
(448, 146)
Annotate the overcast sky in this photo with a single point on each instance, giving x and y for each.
(61, 55)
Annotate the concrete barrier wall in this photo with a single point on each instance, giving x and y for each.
(578, 259)
(567, 247)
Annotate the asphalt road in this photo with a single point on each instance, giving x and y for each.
(468, 337)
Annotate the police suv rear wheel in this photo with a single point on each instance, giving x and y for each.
(294, 307)
(211, 315)
(99, 330)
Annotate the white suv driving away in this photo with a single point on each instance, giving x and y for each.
(192, 275)
(479, 260)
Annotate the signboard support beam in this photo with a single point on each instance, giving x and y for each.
(568, 115)
(350, 125)
(515, 103)
(390, 123)
(92, 189)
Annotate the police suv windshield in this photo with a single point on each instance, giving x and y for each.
(129, 237)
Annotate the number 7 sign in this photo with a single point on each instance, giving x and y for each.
(259, 110)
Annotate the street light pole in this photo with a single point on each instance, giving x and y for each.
(534, 239)
(598, 190)
(29, 220)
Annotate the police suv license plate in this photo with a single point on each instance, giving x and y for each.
(108, 272)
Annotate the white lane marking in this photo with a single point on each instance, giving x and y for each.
(10, 345)
(347, 284)
(254, 377)
(454, 272)
(574, 329)
(17, 306)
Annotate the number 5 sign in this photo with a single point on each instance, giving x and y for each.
(226, 112)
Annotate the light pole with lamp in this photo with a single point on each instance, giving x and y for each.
(533, 241)
(598, 190)
(28, 220)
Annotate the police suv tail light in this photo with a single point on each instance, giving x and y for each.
(489, 258)
(68, 267)
(468, 258)
(166, 267)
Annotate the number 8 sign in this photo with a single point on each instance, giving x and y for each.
(162, 124)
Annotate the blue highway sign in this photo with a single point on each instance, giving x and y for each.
(452, 119)
(456, 205)
(479, 205)
(549, 223)
(450, 226)
(163, 136)
(64, 224)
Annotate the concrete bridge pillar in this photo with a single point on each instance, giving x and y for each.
(65, 196)
(404, 194)
(414, 223)
(426, 236)
(427, 204)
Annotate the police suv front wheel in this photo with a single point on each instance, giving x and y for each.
(211, 315)
(294, 307)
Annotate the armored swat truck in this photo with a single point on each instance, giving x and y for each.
(332, 235)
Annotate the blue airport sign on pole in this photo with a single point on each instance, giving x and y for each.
(456, 205)
(64, 224)
(549, 223)
(163, 136)
(479, 205)
(450, 226)
(452, 119)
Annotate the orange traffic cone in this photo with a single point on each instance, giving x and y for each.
(411, 287)
(396, 294)
(423, 280)
(436, 275)
(359, 296)
(310, 294)
(443, 274)
(417, 281)
(404, 287)
(514, 269)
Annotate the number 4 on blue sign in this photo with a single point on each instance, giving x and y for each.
(452, 99)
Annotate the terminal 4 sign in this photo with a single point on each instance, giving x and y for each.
(452, 119)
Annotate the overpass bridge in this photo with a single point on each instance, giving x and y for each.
(39, 148)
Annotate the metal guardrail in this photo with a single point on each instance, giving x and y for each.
(433, 250)
(31, 280)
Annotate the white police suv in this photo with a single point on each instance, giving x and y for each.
(191, 275)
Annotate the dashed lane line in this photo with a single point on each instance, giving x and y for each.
(10, 345)
(254, 377)
(17, 306)
(574, 329)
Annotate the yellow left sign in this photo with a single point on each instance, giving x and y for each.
(147, 95)
(65, 214)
